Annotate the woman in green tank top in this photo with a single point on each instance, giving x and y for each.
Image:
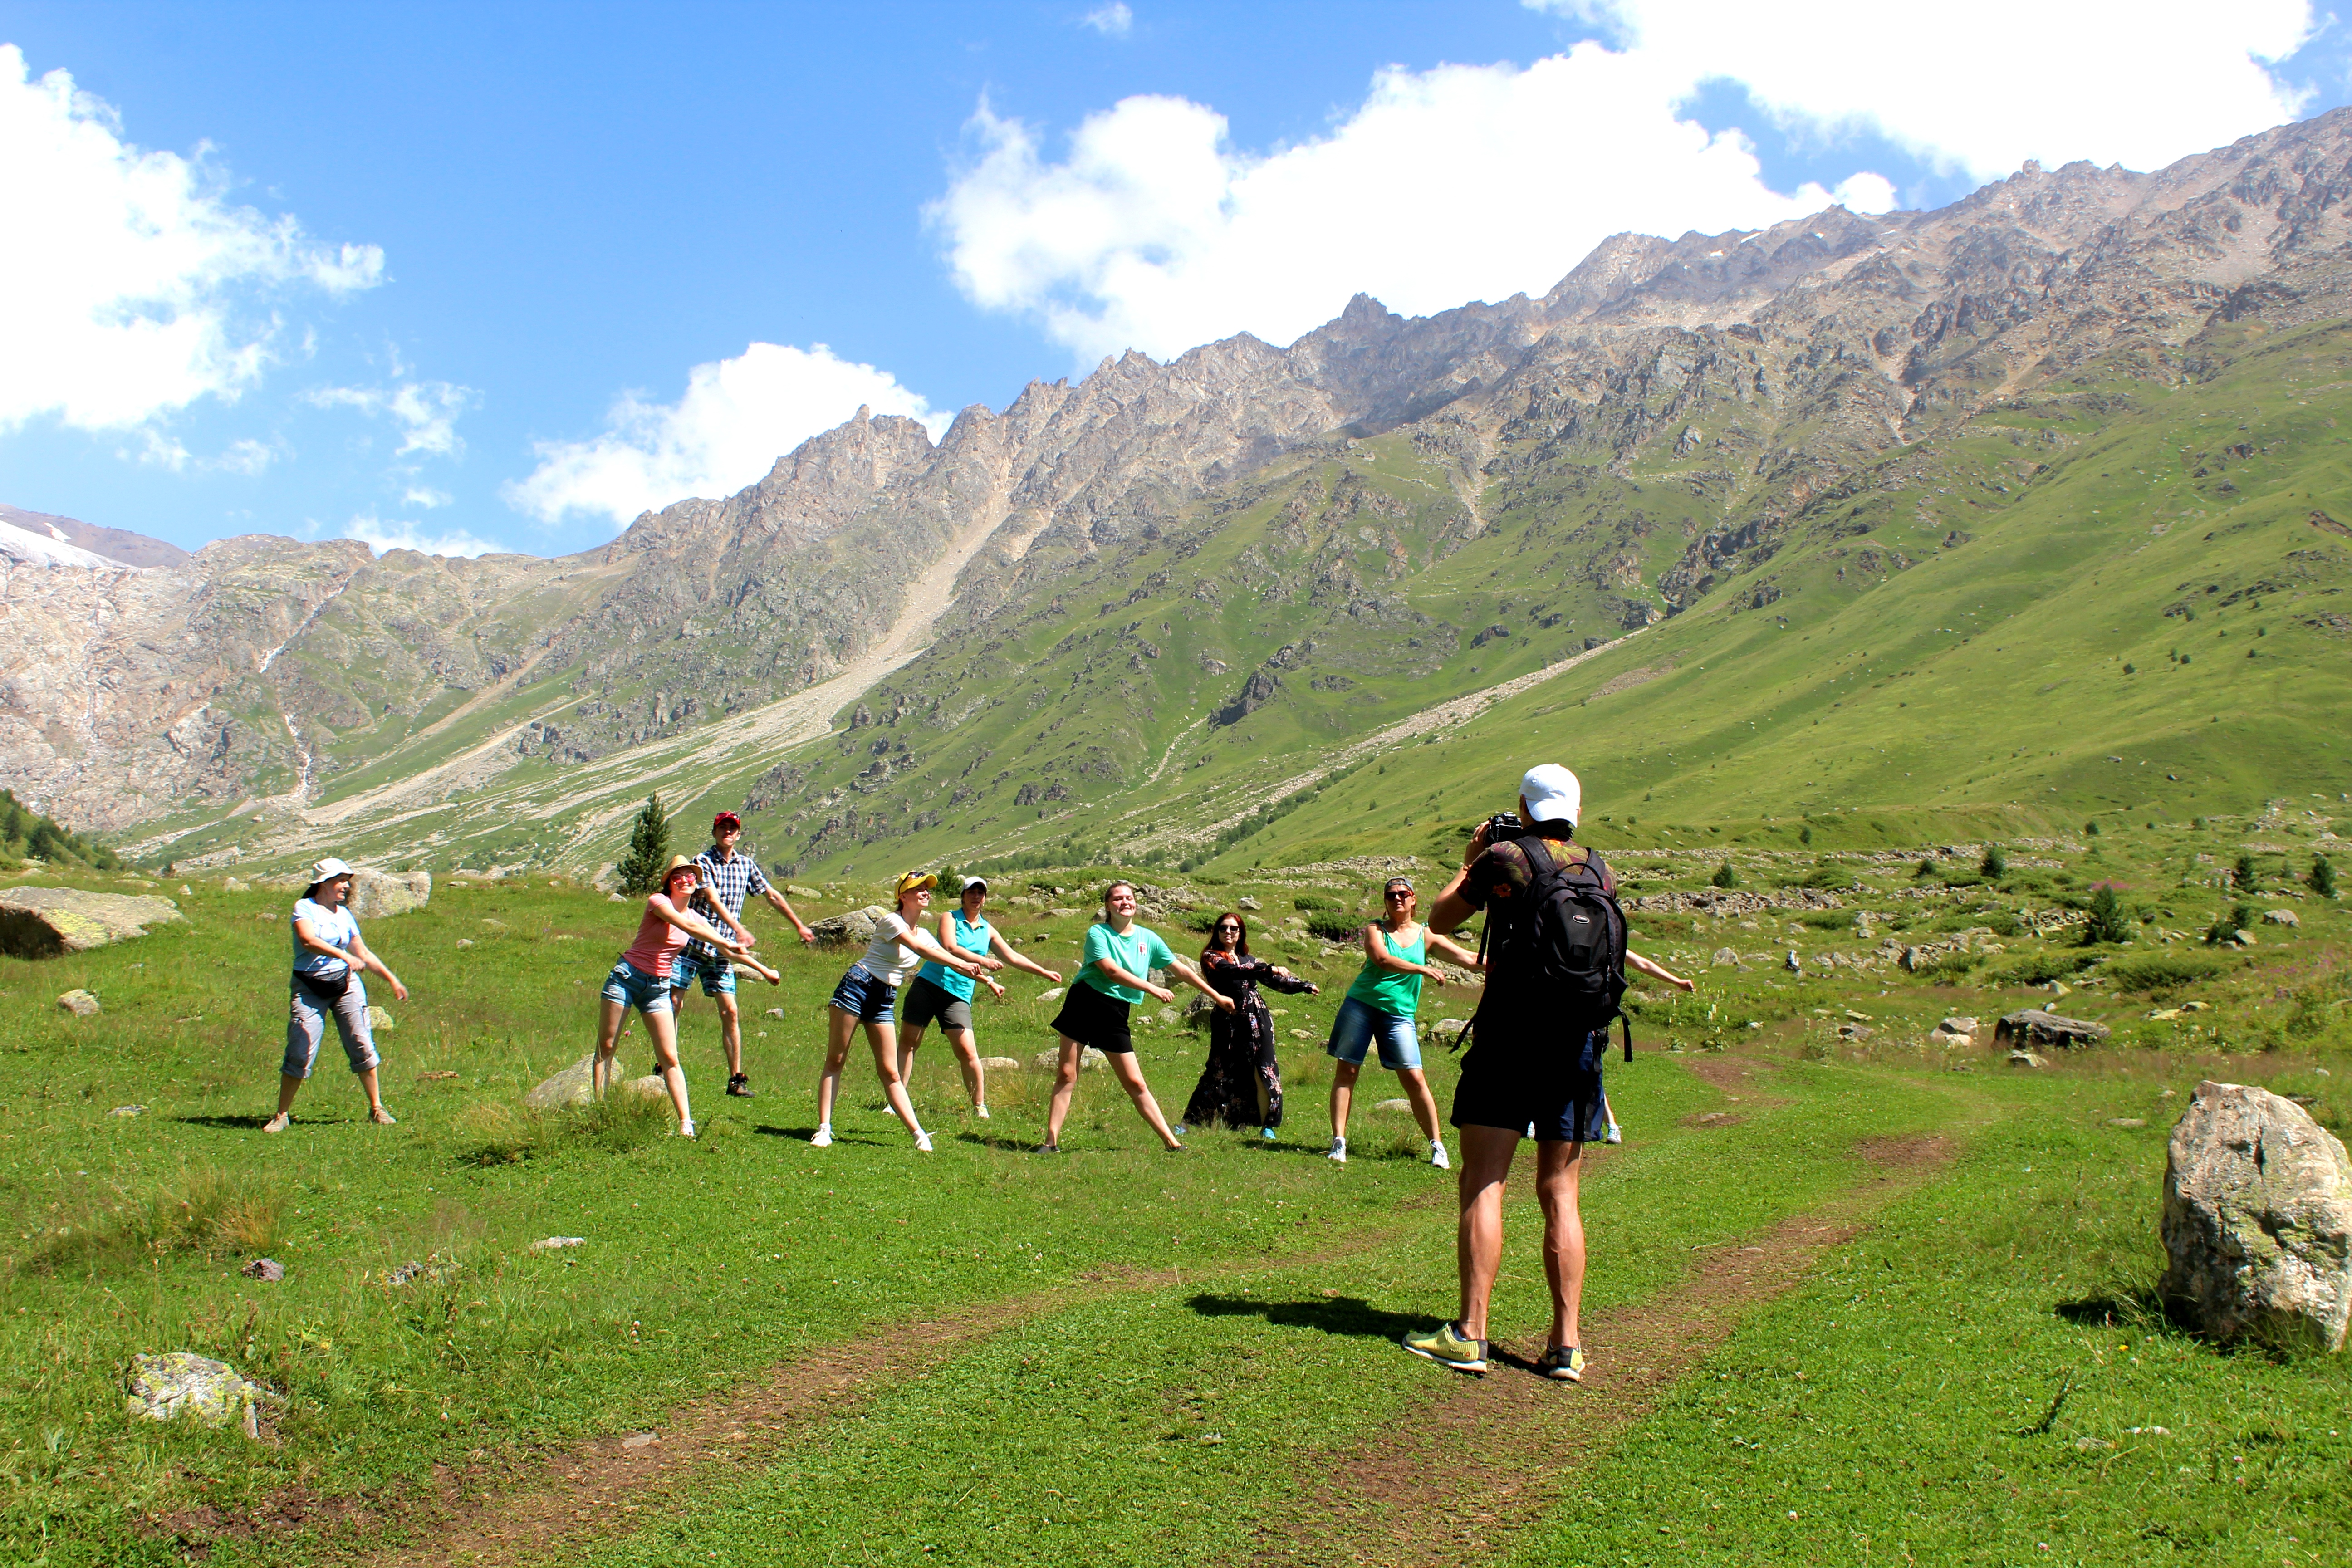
(1380, 1004)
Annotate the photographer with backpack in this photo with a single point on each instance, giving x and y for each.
(1555, 952)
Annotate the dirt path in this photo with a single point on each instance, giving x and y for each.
(1483, 1458)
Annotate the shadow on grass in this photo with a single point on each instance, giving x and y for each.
(803, 1134)
(1350, 1315)
(1011, 1143)
(243, 1123)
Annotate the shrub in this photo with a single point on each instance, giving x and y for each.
(2091, 829)
(2109, 921)
(2323, 877)
(2041, 968)
(1926, 868)
(1725, 877)
(1827, 919)
(2246, 878)
(1804, 836)
(2161, 970)
(2237, 918)
(1309, 904)
(1994, 864)
(1334, 926)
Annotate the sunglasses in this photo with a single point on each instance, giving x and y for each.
(1399, 892)
(1229, 926)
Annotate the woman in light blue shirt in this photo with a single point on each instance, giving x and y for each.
(328, 955)
(938, 993)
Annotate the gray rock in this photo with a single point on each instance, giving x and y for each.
(2025, 1059)
(557, 1243)
(2031, 1026)
(79, 1002)
(2258, 1219)
(1054, 994)
(1046, 1061)
(1246, 902)
(266, 1268)
(1957, 1025)
(1726, 959)
(1001, 1064)
(851, 926)
(380, 1019)
(1170, 1015)
(575, 1085)
(407, 1273)
(464, 942)
(379, 895)
(232, 885)
(43, 922)
(650, 1087)
(2281, 918)
(1394, 1105)
(175, 1383)
(2243, 939)
(128, 1110)
(773, 1012)
(1446, 1030)
(2127, 1120)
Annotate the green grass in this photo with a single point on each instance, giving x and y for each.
(1240, 1291)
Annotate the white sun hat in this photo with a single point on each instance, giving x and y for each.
(327, 870)
(1552, 794)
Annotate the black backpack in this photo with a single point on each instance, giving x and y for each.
(1566, 945)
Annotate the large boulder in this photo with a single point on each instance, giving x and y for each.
(2031, 1026)
(175, 1383)
(378, 894)
(575, 1085)
(849, 926)
(2258, 1220)
(44, 923)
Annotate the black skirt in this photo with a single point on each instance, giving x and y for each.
(1094, 1017)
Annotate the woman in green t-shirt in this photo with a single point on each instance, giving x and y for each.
(1380, 1003)
(1113, 975)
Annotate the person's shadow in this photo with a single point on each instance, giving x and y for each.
(803, 1134)
(247, 1123)
(1350, 1315)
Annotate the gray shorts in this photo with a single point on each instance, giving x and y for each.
(306, 1027)
(928, 1002)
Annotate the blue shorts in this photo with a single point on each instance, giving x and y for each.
(1359, 1025)
(717, 975)
(866, 996)
(633, 987)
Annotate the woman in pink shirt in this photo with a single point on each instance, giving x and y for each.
(641, 980)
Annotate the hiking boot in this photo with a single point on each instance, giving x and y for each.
(824, 1138)
(1338, 1154)
(1437, 1154)
(1446, 1346)
(740, 1084)
(1563, 1363)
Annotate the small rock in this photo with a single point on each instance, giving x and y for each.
(2258, 1219)
(2032, 1027)
(2197, 1006)
(2126, 1121)
(267, 1268)
(1860, 1017)
(128, 1110)
(1944, 1039)
(380, 895)
(2281, 918)
(1394, 1105)
(80, 1003)
(1957, 1025)
(406, 1273)
(1302, 1034)
(2026, 1059)
(615, 899)
(441, 1076)
(186, 890)
(176, 1384)
(1170, 1015)
(1046, 1061)
(553, 1243)
(851, 926)
(2243, 939)
(2092, 1444)
(774, 1013)
(1054, 995)
(794, 891)
(464, 942)
(379, 1020)
(232, 885)
(2164, 1015)
(1002, 1064)
(1248, 903)
(1446, 1029)
(639, 1440)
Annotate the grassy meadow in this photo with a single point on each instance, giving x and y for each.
(1168, 1355)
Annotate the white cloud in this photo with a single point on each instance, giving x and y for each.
(427, 497)
(130, 286)
(737, 418)
(391, 534)
(2136, 82)
(1478, 182)
(426, 411)
(1112, 21)
(246, 456)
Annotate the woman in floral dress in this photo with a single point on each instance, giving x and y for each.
(1241, 1084)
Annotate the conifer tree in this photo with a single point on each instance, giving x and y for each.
(2109, 923)
(641, 869)
(1725, 877)
(2245, 877)
(2323, 876)
(1996, 866)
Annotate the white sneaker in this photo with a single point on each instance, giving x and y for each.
(824, 1138)
(922, 1143)
(1615, 1134)
(981, 1111)
(1437, 1156)
(1338, 1154)
(1269, 1133)
(686, 1128)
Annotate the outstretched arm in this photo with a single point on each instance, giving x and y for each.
(785, 908)
(658, 904)
(1658, 971)
(366, 959)
(1455, 952)
(922, 942)
(1191, 976)
(1004, 951)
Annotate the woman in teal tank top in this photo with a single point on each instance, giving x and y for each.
(938, 994)
(1380, 1004)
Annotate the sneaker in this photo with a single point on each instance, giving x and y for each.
(382, 1118)
(686, 1128)
(1338, 1154)
(1437, 1156)
(824, 1138)
(1180, 1129)
(1267, 1133)
(1446, 1347)
(1049, 1147)
(1563, 1362)
(1615, 1134)
(922, 1143)
(740, 1086)
(981, 1111)
(279, 1122)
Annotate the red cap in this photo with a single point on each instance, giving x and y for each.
(725, 820)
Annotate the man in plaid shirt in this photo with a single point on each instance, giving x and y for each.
(728, 880)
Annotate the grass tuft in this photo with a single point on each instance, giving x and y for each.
(201, 1210)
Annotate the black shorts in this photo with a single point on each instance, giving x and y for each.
(926, 1002)
(1562, 1098)
(1096, 1019)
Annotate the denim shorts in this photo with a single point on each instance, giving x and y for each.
(717, 975)
(1359, 1025)
(866, 996)
(633, 987)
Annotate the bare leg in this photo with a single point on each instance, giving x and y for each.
(664, 1030)
(287, 1087)
(910, 1038)
(884, 1039)
(610, 1022)
(1486, 1154)
(967, 1050)
(1343, 1093)
(730, 1032)
(1557, 1166)
(1424, 1104)
(1129, 1073)
(839, 1027)
(372, 1090)
(1065, 1079)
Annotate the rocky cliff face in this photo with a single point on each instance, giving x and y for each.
(1760, 373)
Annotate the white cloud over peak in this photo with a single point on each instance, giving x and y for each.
(2136, 82)
(1462, 182)
(1112, 21)
(129, 285)
(392, 533)
(736, 418)
(426, 411)
(427, 497)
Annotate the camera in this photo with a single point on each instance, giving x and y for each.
(1504, 825)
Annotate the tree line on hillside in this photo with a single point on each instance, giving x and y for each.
(26, 833)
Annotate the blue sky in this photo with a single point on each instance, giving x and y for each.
(571, 206)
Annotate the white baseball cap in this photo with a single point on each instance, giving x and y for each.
(327, 870)
(971, 882)
(1552, 794)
